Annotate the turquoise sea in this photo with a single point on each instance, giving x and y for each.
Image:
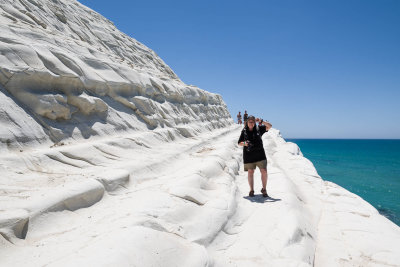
(368, 168)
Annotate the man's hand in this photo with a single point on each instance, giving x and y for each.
(244, 143)
(267, 124)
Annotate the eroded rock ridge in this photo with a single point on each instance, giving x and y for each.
(68, 72)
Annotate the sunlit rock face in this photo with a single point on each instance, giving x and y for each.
(66, 72)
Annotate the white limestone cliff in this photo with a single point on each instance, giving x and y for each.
(108, 159)
(75, 75)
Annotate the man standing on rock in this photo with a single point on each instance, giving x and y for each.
(245, 116)
(253, 152)
(239, 118)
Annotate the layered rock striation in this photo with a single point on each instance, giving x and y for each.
(66, 72)
(143, 194)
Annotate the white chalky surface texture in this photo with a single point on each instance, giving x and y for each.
(109, 159)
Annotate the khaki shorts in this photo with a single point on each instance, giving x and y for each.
(262, 164)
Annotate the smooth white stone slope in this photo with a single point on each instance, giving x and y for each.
(161, 199)
(306, 222)
(161, 184)
(68, 73)
(349, 231)
(170, 197)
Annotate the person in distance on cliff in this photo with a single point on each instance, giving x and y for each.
(245, 115)
(239, 118)
(253, 152)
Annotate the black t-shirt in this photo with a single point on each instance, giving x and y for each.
(256, 152)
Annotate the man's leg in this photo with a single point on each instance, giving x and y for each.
(250, 176)
(264, 177)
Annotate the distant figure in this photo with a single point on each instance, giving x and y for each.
(239, 118)
(253, 152)
(245, 115)
(260, 122)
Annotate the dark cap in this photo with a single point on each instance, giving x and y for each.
(251, 117)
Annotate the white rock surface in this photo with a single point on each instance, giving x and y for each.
(76, 76)
(162, 199)
(108, 159)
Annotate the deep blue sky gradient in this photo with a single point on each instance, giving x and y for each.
(315, 69)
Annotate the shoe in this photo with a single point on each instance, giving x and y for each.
(264, 192)
(251, 193)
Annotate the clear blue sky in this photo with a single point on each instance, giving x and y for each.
(315, 69)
